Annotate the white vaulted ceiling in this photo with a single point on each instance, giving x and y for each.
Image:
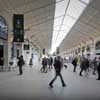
(86, 28)
(40, 19)
(69, 12)
(38, 15)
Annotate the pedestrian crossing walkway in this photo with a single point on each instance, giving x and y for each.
(33, 85)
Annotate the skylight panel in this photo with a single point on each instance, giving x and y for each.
(60, 9)
(63, 25)
(57, 21)
(75, 8)
(69, 21)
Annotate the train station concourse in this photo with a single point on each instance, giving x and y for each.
(41, 40)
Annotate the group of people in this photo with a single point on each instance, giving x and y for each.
(86, 64)
(46, 64)
(57, 63)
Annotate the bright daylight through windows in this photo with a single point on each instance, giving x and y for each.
(67, 12)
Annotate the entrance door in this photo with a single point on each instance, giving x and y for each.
(1, 55)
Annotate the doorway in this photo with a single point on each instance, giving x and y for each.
(1, 55)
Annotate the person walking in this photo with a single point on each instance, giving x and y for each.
(94, 65)
(74, 62)
(20, 64)
(44, 65)
(31, 62)
(84, 65)
(50, 62)
(98, 69)
(58, 66)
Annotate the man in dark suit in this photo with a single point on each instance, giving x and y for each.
(20, 64)
(58, 64)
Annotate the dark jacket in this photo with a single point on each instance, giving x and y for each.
(74, 62)
(84, 64)
(21, 62)
(44, 61)
(30, 63)
(50, 61)
(98, 67)
(57, 65)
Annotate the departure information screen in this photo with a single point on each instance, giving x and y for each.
(3, 28)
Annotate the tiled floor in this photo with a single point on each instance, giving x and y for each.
(33, 85)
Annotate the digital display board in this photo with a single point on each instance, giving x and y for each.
(18, 27)
(3, 28)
